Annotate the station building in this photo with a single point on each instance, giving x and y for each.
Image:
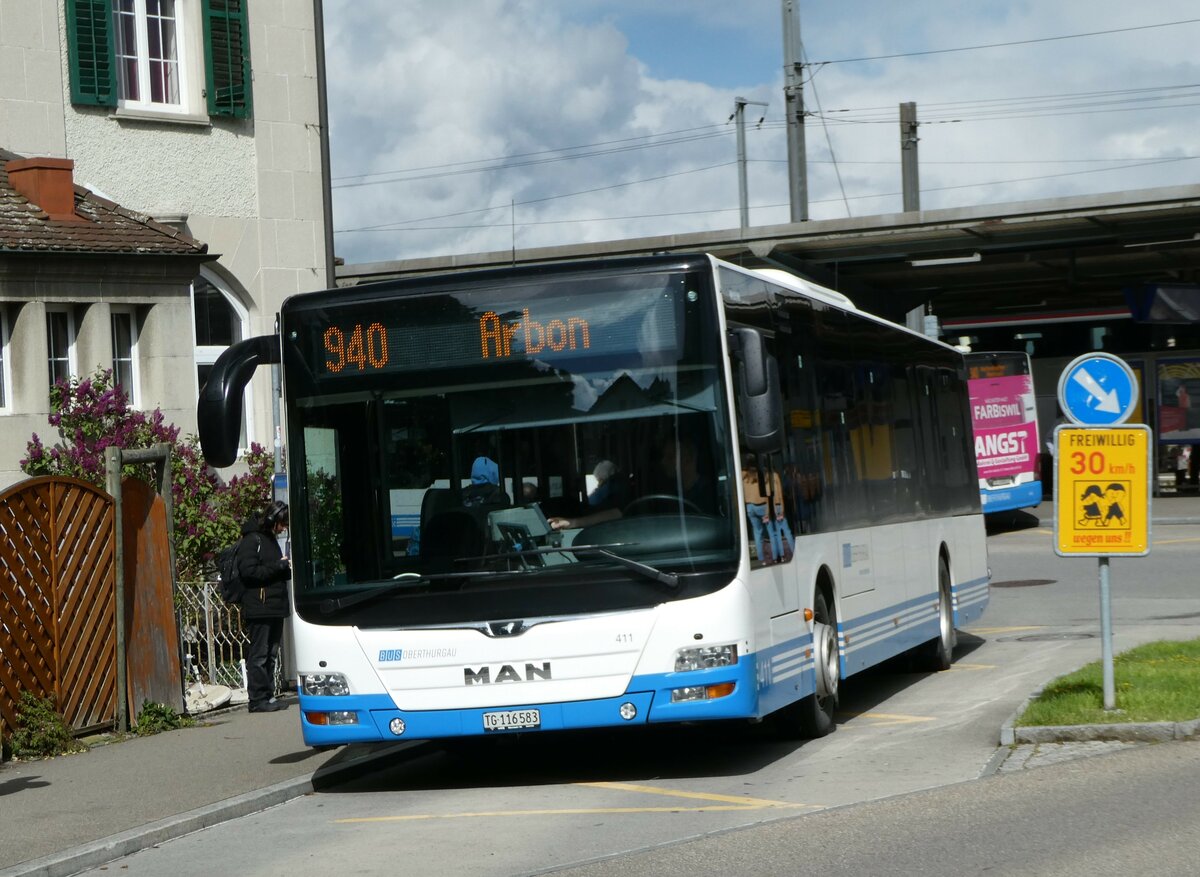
(1056, 278)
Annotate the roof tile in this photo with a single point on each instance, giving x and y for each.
(105, 227)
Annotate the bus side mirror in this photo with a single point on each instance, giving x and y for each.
(756, 383)
(219, 408)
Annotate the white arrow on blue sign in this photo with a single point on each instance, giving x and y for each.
(1097, 389)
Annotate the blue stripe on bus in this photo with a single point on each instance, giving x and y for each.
(869, 639)
(1022, 496)
(764, 682)
(650, 694)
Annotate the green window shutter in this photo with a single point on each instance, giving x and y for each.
(90, 52)
(227, 58)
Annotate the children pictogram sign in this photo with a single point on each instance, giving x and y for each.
(1102, 491)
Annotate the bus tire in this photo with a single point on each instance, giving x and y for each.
(813, 716)
(938, 653)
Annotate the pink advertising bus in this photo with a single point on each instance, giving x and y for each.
(1004, 418)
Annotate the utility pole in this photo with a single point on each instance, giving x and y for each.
(739, 112)
(910, 182)
(793, 94)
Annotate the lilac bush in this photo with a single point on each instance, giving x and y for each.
(92, 414)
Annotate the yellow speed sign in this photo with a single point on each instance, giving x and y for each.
(1102, 490)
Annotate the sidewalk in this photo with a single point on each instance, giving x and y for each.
(64, 815)
(68, 814)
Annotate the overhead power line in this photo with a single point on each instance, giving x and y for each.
(406, 225)
(1075, 36)
(550, 156)
(512, 204)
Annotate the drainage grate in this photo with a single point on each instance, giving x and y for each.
(1024, 583)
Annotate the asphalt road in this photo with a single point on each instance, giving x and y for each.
(1134, 812)
(903, 786)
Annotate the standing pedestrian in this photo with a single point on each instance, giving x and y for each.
(264, 570)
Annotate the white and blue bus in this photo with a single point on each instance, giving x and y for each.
(584, 439)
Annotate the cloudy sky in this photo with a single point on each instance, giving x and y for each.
(464, 126)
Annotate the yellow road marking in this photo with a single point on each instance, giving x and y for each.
(568, 811)
(1174, 541)
(751, 803)
(721, 804)
(963, 665)
(890, 719)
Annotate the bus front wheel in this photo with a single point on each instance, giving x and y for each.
(813, 716)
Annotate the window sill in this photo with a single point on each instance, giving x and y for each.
(122, 114)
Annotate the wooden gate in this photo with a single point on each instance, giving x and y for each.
(151, 633)
(57, 586)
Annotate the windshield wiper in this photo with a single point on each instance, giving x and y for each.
(398, 583)
(413, 579)
(643, 569)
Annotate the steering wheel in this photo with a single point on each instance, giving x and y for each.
(662, 498)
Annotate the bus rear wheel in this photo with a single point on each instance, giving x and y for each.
(813, 716)
(938, 653)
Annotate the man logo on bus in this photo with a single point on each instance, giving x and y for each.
(496, 336)
(506, 673)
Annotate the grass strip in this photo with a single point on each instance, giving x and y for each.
(1155, 682)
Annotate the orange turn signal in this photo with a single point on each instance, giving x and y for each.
(808, 616)
(723, 690)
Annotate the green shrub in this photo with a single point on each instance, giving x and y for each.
(40, 731)
(155, 718)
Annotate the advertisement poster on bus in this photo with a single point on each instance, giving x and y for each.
(1005, 425)
(1179, 400)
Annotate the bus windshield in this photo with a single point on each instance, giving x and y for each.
(539, 449)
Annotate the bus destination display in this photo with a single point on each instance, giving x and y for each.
(450, 333)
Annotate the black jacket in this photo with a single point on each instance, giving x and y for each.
(264, 573)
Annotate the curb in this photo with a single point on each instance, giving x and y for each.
(106, 849)
(1124, 732)
(1127, 732)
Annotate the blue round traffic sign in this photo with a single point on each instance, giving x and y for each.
(1097, 389)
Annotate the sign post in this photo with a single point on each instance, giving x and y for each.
(1103, 476)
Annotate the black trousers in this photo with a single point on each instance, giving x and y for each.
(265, 636)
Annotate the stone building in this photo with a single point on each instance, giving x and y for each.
(197, 116)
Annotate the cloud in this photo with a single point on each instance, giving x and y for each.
(476, 126)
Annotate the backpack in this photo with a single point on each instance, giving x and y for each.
(229, 583)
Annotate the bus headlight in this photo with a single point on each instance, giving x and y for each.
(325, 684)
(705, 657)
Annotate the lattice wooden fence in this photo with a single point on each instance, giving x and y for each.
(57, 587)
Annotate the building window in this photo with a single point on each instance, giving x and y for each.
(60, 344)
(134, 53)
(219, 321)
(148, 48)
(124, 353)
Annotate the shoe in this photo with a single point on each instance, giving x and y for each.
(267, 707)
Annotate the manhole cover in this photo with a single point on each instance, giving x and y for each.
(1024, 583)
(1051, 637)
